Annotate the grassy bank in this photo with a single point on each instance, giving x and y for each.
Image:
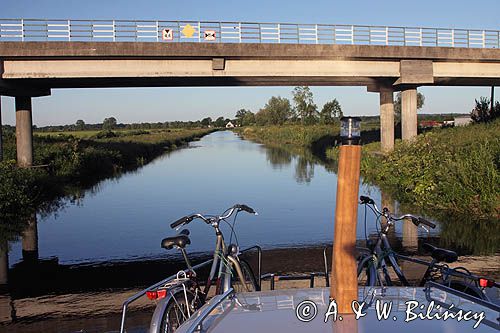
(456, 170)
(66, 161)
(315, 138)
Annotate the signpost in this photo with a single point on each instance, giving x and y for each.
(210, 35)
(167, 34)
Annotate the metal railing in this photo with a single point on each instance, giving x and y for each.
(241, 32)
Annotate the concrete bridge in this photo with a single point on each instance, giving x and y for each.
(39, 55)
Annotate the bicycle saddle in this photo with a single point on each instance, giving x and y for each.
(440, 254)
(181, 240)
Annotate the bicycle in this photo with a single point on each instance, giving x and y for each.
(373, 261)
(181, 297)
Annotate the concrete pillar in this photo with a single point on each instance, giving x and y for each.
(386, 119)
(30, 240)
(1, 133)
(24, 132)
(410, 236)
(409, 113)
(4, 263)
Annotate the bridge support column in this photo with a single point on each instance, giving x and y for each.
(386, 119)
(30, 241)
(4, 263)
(409, 113)
(24, 131)
(1, 133)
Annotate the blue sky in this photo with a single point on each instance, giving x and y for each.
(164, 104)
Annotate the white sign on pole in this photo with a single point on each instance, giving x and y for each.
(167, 34)
(210, 35)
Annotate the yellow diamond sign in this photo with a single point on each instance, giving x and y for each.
(188, 31)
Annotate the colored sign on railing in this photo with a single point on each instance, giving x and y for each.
(241, 32)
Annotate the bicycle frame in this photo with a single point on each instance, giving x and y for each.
(224, 261)
(383, 250)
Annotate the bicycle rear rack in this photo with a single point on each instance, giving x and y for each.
(154, 286)
(173, 277)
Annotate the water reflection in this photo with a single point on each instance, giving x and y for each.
(4, 263)
(124, 217)
(304, 163)
(30, 241)
(278, 157)
(304, 170)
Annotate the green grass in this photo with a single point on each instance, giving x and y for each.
(294, 135)
(76, 134)
(453, 169)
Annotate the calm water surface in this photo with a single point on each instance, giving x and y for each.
(126, 218)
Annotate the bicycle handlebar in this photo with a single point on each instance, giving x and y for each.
(416, 220)
(181, 221)
(246, 209)
(186, 219)
(366, 200)
(426, 222)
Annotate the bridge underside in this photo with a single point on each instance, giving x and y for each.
(31, 69)
(41, 87)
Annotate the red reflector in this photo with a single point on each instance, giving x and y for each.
(485, 283)
(152, 295)
(162, 293)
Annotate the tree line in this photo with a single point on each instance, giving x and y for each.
(111, 123)
(279, 110)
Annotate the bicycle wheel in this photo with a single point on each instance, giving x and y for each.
(250, 283)
(176, 311)
(367, 272)
(467, 288)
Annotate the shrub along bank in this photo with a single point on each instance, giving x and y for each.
(457, 169)
(452, 169)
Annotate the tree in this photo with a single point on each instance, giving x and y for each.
(219, 122)
(262, 117)
(483, 113)
(109, 123)
(248, 119)
(330, 111)
(205, 122)
(397, 103)
(80, 125)
(278, 110)
(304, 105)
(240, 114)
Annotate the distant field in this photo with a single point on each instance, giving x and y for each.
(78, 134)
(121, 133)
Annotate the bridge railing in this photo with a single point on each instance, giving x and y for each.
(241, 32)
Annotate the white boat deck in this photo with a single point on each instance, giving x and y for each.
(276, 311)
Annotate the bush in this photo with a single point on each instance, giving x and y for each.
(455, 169)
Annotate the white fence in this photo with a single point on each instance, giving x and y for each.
(241, 32)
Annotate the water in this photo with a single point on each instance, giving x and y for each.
(126, 218)
(82, 261)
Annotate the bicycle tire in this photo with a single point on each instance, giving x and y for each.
(466, 289)
(367, 271)
(176, 313)
(250, 281)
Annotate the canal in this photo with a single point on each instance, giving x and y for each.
(108, 237)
